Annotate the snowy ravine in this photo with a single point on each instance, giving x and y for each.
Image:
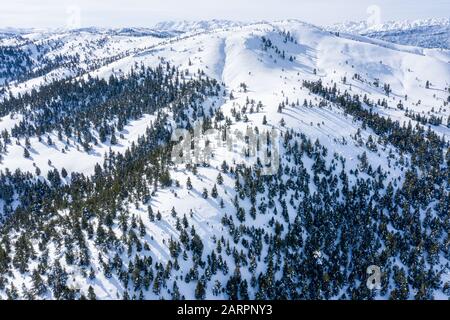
(99, 209)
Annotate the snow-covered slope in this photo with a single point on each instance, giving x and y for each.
(236, 56)
(42, 55)
(266, 73)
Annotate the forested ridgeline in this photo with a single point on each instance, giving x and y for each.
(81, 116)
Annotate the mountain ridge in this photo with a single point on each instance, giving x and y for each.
(427, 33)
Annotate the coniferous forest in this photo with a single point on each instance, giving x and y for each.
(93, 204)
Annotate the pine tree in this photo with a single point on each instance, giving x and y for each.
(219, 179)
(189, 183)
(151, 216)
(175, 291)
(113, 139)
(64, 173)
(91, 294)
(26, 153)
(200, 290)
(214, 193)
(38, 285)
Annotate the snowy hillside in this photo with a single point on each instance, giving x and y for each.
(95, 204)
(37, 56)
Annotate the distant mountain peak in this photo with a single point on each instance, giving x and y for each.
(427, 33)
(364, 27)
(201, 25)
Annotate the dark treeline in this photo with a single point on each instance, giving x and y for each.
(77, 108)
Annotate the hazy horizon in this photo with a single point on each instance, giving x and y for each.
(135, 13)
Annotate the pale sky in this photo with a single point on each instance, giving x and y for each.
(145, 13)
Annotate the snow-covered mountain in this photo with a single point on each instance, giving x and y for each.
(96, 205)
(196, 26)
(427, 33)
(39, 55)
